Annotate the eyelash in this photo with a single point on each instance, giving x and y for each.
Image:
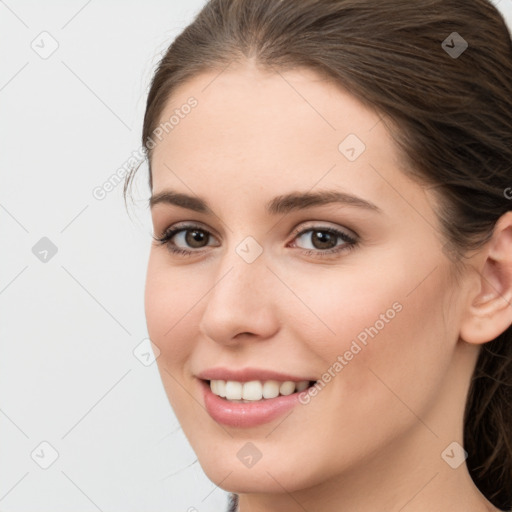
(350, 242)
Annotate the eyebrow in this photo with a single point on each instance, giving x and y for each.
(278, 205)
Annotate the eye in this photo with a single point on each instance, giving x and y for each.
(316, 241)
(181, 239)
(320, 240)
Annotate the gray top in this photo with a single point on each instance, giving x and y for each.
(233, 503)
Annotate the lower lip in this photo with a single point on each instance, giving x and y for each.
(235, 414)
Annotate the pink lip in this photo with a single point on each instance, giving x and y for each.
(248, 374)
(246, 415)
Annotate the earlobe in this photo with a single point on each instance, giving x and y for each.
(489, 311)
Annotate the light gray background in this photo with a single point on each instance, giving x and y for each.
(69, 325)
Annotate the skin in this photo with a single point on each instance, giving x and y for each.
(372, 438)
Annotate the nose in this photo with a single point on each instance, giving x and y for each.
(241, 302)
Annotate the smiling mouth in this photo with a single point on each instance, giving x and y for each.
(256, 390)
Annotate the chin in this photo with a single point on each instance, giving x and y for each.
(270, 476)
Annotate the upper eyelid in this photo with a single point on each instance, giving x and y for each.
(314, 224)
(319, 226)
(187, 227)
(299, 230)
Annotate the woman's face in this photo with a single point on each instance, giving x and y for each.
(355, 292)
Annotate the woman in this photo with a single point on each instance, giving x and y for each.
(331, 278)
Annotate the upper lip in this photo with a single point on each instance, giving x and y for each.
(248, 374)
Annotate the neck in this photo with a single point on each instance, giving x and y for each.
(396, 480)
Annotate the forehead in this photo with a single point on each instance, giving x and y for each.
(252, 130)
(280, 108)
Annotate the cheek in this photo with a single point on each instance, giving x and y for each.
(170, 303)
(171, 316)
(376, 332)
(395, 352)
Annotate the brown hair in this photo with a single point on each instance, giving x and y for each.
(450, 114)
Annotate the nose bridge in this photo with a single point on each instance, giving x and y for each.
(243, 267)
(240, 300)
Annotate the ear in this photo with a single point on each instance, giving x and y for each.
(489, 311)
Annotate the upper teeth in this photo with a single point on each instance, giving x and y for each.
(255, 389)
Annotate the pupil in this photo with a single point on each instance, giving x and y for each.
(324, 240)
(195, 237)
